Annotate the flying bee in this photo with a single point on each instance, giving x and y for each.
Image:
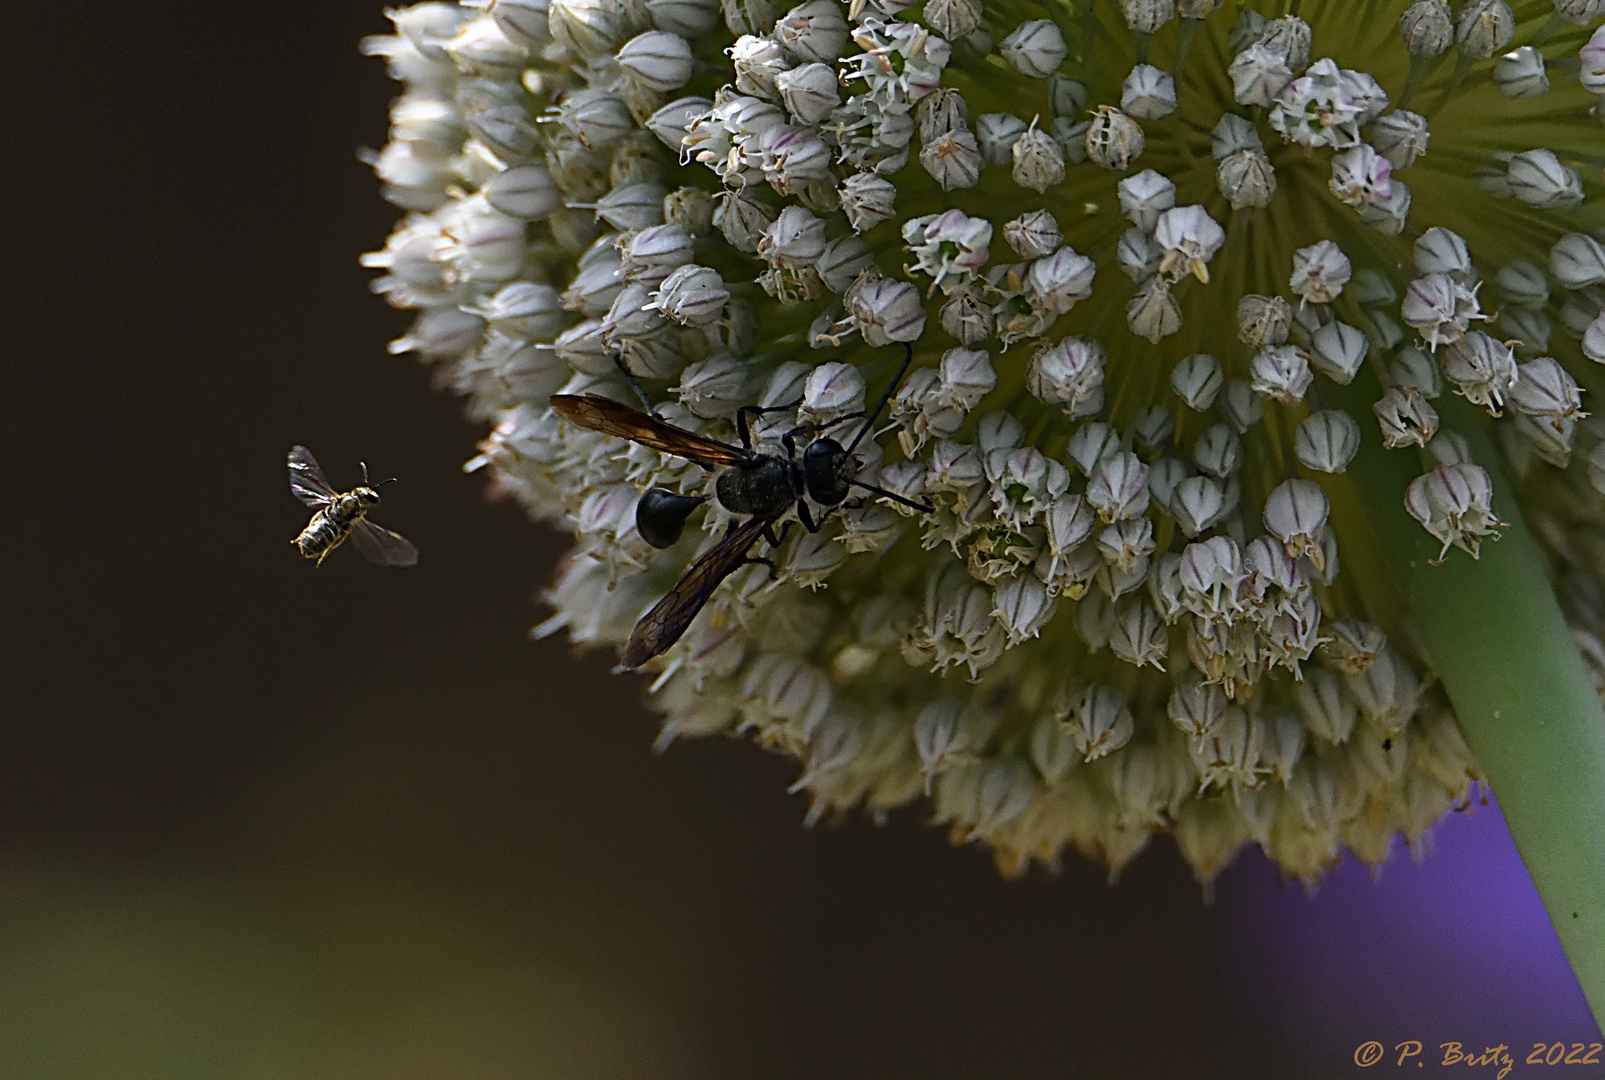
(343, 514)
(759, 487)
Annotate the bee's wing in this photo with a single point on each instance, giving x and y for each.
(307, 481)
(618, 419)
(669, 617)
(381, 546)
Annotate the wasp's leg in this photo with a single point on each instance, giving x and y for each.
(757, 410)
(807, 519)
(789, 439)
(635, 384)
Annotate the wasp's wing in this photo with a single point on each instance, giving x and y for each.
(669, 617)
(307, 481)
(381, 546)
(616, 418)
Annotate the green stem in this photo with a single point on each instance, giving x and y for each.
(1496, 637)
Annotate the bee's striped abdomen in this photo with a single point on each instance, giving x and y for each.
(326, 530)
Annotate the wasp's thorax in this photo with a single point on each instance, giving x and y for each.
(765, 487)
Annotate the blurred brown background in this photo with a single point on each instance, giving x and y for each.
(261, 820)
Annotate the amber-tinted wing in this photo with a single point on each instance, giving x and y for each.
(616, 418)
(381, 546)
(669, 617)
(307, 481)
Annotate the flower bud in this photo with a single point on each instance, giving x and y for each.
(692, 295)
(1219, 451)
(1240, 406)
(965, 376)
(1066, 373)
(1361, 177)
(796, 238)
(1327, 441)
(1401, 136)
(996, 134)
(1197, 380)
(1090, 444)
(1035, 48)
(1538, 179)
(1024, 606)
(632, 207)
(1454, 504)
(1147, 16)
(1520, 74)
(689, 19)
(1038, 161)
(954, 161)
(1591, 58)
(1263, 320)
(1148, 93)
(810, 93)
(743, 220)
(1137, 255)
(525, 192)
(1187, 238)
(813, 32)
(1144, 196)
(1426, 28)
(1118, 487)
(1197, 503)
(657, 60)
(886, 311)
(1577, 261)
(1099, 722)
(1483, 27)
(1247, 179)
(1482, 369)
(1153, 312)
(1281, 372)
(953, 19)
(1337, 350)
(671, 123)
(1259, 74)
(1033, 234)
(1544, 388)
(1594, 340)
(1405, 417)
(1295, 513)
(1114, 138)
(1058, 281)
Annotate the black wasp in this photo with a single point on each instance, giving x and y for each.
(758, 487)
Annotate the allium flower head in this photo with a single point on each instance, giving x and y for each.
(1173, 286)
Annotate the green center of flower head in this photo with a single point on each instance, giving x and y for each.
(1164, 270)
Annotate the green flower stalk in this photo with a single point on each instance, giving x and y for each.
(1227, 327)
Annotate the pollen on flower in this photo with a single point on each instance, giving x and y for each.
(1102, 569)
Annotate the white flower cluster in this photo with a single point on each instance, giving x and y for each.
(1124, 613)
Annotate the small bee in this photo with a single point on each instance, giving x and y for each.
(343, 514)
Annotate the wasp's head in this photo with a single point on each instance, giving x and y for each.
(367, 496)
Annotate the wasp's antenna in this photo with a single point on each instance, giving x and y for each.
(925, 507)
(382, 483)
(365, 474)
(869, 421)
